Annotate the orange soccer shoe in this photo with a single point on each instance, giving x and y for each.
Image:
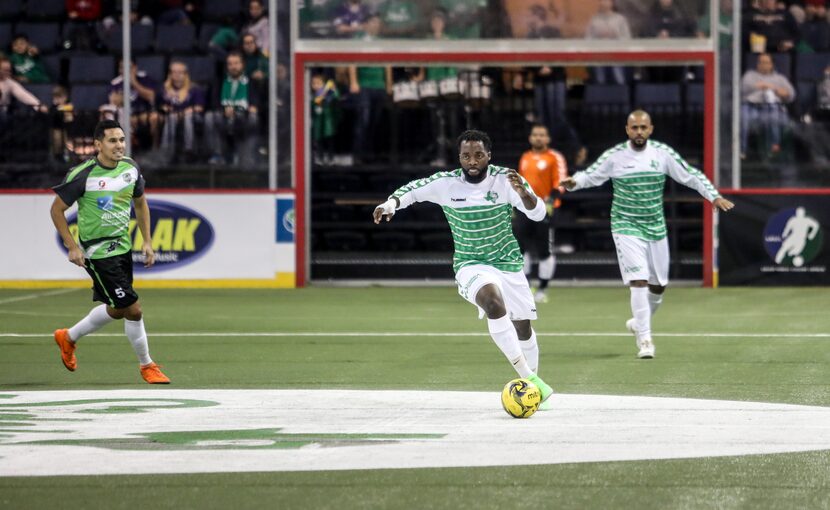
(67, 347)
(152, 374)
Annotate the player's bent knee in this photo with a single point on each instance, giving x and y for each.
(523, 329)
(638, 283)
(656, 289)
(490, 300)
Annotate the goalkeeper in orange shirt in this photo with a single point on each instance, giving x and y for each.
(543, 168)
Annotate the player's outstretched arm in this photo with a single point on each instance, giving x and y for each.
(528, 197)
(722, 204)
(386, 209)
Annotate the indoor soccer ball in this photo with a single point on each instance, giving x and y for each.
(520, 398)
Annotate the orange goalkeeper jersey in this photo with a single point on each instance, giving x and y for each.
(543, 171)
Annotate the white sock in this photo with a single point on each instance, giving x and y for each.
(528, 263)
(641, 312)
(530, 348)
(504, 334)
(546, 268)
(95, 320)
(654, 301)
(138, 339)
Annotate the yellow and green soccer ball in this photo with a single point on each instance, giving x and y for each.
(521, 398)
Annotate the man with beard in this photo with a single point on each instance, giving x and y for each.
(638, 169)
(478, 201)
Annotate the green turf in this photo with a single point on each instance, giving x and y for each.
(786, 369)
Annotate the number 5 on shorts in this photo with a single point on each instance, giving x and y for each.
(119, 292)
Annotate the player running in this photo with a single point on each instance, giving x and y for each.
(638, 170)
(105, 187)
(478, 201)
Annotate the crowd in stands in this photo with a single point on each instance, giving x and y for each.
(198, 77)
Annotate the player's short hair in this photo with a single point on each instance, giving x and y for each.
(473, 135)
(539, 125)
(102, 127)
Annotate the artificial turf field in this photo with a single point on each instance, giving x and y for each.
(762, 345)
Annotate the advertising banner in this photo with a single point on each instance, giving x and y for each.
(775, 239)
(221, 237)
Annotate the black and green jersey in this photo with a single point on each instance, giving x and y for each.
(104, 197)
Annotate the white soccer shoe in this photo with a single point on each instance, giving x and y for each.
(646, 349)
(540, 296)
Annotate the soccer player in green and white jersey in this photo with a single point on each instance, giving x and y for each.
(478, 201)
(105, 187)
(638, 170)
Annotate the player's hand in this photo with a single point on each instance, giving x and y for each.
(722, 204)
(149, 254)
(76, 256)
(386, 209)
(568, 183)
(516, 183)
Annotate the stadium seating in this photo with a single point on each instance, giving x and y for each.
(393, 240)
(53, 65)
(205, 33)
(806, 95)
(45, 36)
(142, 39)
(45, 9)
(91, 69)
(217, 10)
(202, 69)
(42, 91)
(5, 35)
(89, 97)
(175, 38)
(10, 9)
(154, 66)
(810, 66)
(694, 97)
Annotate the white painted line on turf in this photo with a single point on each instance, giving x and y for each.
(179, 431)
(210, 334)
(37, 295)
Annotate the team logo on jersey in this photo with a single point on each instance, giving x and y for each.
(102, 184)
(792, 237)
(653, 164)
(127, 177)
(491, 196)
(104, 203)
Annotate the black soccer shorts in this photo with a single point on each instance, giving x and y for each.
(112, 280)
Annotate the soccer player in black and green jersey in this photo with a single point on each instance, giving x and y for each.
(105, 187)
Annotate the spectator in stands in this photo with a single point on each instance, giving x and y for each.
(257, 25)
(816, 29)
(667, 21)
(324, 118)
(464, 17)
(823, 94)
(183, 104)
(350, 17)
(256, 63)
(235, 122)
(10, 89)
(63, 117)
(775, 24)
(543, 25)
(607, 24)
(724, 25)
(174, 12)
(401, 18)
(764, 93)
(113, 15)
(80, 29)
(224, 39)
(144, 118)
(370, 88)
(26, 62)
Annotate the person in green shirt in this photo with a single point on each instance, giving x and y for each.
(324, 118)
(235, 122)
(26, 63)
(401, 18)
(105, 188)
(224, 39)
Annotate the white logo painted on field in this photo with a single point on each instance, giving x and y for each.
(179, 431)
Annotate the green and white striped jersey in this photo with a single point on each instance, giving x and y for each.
(104, 197)
(638, 178)
(479, 215)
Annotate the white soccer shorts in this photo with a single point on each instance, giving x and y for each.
(643, 260)
(513, 286)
